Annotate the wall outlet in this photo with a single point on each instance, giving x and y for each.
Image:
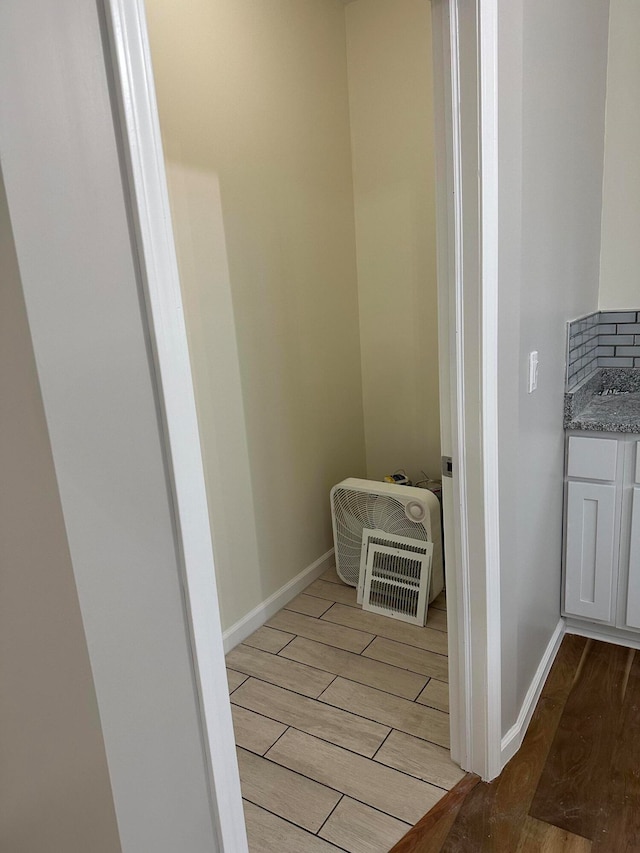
(533, 371)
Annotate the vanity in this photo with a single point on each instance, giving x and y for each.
(601, 567)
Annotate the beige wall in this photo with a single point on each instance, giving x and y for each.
(56, 795)
(253, 99)
(620, 258)
(390, 97)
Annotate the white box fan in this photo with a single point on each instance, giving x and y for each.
(402, 512)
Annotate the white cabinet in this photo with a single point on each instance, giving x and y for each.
(590, 543)
(602, 531)
(632, 618)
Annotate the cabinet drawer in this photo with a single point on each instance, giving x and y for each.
(590, 550)
(592, 458)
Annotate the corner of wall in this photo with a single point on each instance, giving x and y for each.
(513, 738)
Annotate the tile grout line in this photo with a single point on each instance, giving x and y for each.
(282, 734)
(363, 717)
(378, 764)
(353, 714)
(408, 645)
(373, 757)
(422, 691)
(329, 815)
(292, 823)
(327, 624)
(376, 809)
(382, 636)
(326, 705)
(369, 806)
(263, 680)
(310, 778)
(375, 637)
(302, 613)
(347, 678)
(231, 692)
(348, 651)
(351, 752)
(294, 637)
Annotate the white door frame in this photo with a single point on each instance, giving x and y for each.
(465, 97)
(135, 93)
(465, 78)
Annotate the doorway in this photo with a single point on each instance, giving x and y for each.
(220, 330)
(299, 144)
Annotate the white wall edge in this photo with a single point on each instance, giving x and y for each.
(592, 633)
(442, 92)
(512, 740)
(155, 246)
(489, 229)
(270, 606)
(465, 711)
(475, 208)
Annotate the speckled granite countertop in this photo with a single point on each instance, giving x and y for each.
(590, 407)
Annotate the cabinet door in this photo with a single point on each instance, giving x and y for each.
(633, 588)
(589, 563)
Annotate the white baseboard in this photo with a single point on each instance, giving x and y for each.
(512, 741)
(606, 635)
(270, 606)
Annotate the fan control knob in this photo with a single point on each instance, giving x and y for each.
(415, 511)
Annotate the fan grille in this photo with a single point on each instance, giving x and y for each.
(355, 510)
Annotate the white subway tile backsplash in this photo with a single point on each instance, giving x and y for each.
(620, 340)
(618, 316)
(602, 339)
(615, 362)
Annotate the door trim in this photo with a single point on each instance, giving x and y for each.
(465, 66)
(489, 227)
(151, 214)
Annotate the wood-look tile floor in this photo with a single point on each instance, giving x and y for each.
(574, 785)
(341, 720)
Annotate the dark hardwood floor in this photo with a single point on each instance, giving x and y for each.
(574, 786)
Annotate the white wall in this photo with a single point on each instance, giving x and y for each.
(56, 793)
(620, 258)
(78, 271)
(254, 113)
(552, 78)
(391, 107)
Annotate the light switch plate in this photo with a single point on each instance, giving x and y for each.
(533, 371)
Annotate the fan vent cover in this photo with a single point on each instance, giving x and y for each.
(379, 537)
(397, 580)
